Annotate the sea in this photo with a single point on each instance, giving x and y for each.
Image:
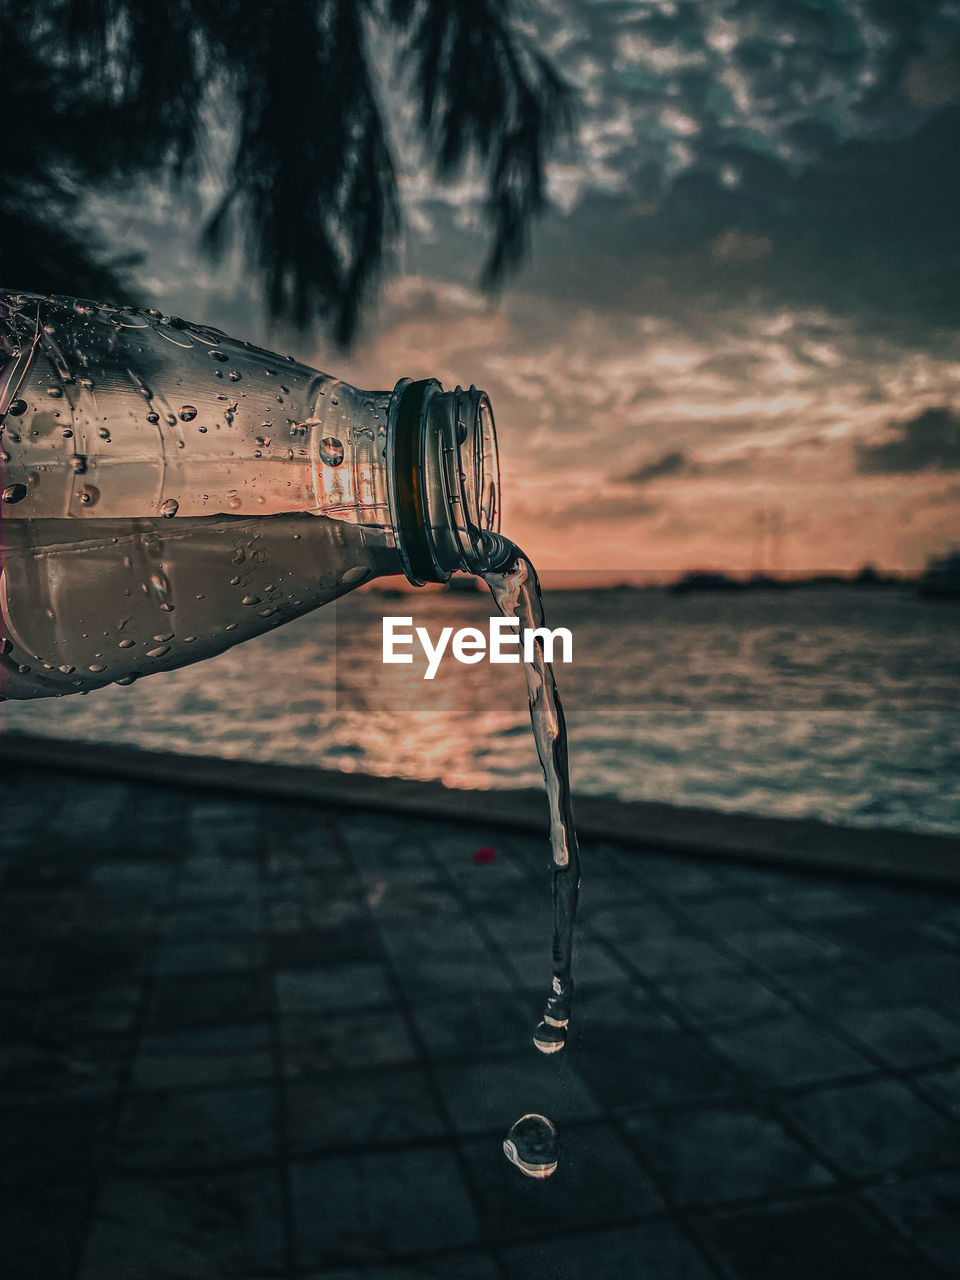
(840, 703)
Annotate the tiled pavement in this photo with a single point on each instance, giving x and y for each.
(254, 1038)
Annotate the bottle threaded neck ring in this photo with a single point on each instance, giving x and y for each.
(444, 479)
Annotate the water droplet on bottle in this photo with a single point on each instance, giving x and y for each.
(14, 493)
(220, 356)
(67, 433)
(54, 392)
(187, 412)
(90, 496)
(176, 336)
(166, 608)
(97, 667)
(126, 644)
(87, 384)
(125, 680)
(67, 669)
(251, 600)
(163, 637)
(231, 626)
(331, 451)
(533, 1146)
(202, 430)
(169, 508)
(153, 418)
(130, 320)
(234, 502)
(334, 400)
(16, 408)
(233, 375)
(189, 639)
(103, 433)
(159, 652)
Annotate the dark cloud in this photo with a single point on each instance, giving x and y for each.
(867, 232)
(928, 442)
(674, 463)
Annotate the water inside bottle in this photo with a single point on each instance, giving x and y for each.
(516, 592)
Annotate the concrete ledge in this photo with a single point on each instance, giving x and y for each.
(879, 852)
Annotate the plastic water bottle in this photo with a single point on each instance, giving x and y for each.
(168, 492)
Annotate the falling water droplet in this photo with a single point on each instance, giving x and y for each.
(187, 412)
(169, 508)
(533, 1146)
(331, 451)
(549, 1039)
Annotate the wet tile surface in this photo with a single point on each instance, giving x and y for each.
(233, 1049)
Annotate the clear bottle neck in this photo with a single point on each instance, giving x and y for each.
(444, 480)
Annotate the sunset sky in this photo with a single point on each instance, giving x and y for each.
(736, 343)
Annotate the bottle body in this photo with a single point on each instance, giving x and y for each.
(169, 491)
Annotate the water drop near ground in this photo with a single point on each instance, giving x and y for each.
(533, 1145)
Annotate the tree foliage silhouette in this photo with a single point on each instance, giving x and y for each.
(98, 92)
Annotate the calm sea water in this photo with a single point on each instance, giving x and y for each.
(840, 704)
